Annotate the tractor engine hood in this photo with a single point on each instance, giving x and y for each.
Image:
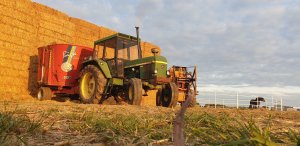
(152, 69)
(146, 60)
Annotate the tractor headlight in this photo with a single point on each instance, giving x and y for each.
(168, 72)
(155, 71)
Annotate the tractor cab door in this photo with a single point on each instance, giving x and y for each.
(116, 62)
(116, 67)
(123, 52)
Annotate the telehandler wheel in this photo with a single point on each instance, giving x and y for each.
(134, 93)
(91, 84)
(169, 95)
(193, 100)
(44, 93)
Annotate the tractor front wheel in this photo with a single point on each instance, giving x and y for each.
(44, 93)
(158, 97)
(91, 84)
(169, 95)
(134, 93)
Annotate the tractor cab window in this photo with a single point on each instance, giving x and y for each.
(107, 54)
(127, 49)
(133, 52)
(122, 50)
(106, 49)
(116, 50)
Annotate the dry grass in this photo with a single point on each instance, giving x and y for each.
(52, 122)
(16, 126)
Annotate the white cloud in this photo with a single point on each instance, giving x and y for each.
(116, 20)
(144, 8)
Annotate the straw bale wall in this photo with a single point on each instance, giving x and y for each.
(26, 26)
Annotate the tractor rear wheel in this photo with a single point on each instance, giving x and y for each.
(91, 84)
(134, 93)
(169, 95)
(44, 93)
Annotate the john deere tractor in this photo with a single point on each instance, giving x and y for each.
(117, 69)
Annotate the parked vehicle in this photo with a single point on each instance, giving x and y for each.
(124, 74)
(58, 69)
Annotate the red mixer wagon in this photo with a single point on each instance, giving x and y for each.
(59, 69)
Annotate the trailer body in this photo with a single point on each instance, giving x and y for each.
(59, 67)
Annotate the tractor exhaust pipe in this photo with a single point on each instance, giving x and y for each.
(138, 42)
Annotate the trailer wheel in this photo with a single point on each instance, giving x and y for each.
(44, 93)
(91, 84)
(134, 93)
(169, 95)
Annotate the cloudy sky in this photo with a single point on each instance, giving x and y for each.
(246, 46)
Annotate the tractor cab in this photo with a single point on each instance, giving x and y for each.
(123, 55)
(117, 50)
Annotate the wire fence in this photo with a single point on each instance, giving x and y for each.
(239, 100)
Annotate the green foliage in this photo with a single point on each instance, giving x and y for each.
(252, 134)
(125, 129)
(294, 137)
(224, 130)
(14, 127)
(125, 125)
(200, 128)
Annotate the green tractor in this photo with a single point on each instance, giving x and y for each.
(117, 69)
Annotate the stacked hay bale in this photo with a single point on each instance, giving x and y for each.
(26, 26)
(146, 49)
(18, 33)
(53, 26)
(85, 32)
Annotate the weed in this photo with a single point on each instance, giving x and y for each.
(225, 130)
(123, 128)
(120, 125)
(294, 136)
(13, 128)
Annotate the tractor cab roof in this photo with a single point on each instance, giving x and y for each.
(111, 41)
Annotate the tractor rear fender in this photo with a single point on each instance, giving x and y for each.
(102, 65)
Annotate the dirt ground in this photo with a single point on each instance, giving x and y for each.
(62, 120)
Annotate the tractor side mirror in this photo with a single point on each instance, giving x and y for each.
(155, 51)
